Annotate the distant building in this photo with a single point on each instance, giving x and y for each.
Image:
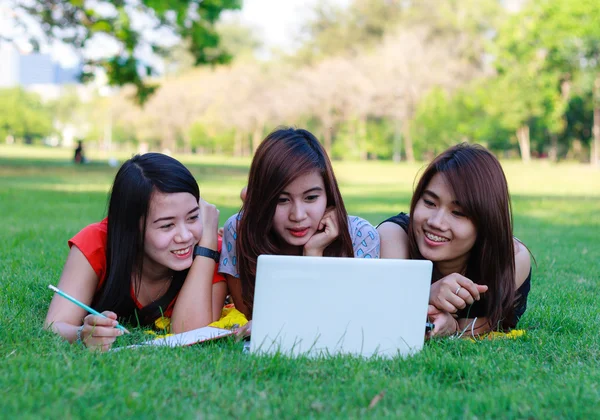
(39, 73)
(34, 69)
(9, 67)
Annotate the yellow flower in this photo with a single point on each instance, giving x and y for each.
(163, 323)
(512, 334)
(230, 318)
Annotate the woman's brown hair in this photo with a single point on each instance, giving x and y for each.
(283, 156)
(480, 187)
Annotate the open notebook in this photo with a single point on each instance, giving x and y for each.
(185, 339)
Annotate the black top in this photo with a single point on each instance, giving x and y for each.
(130, 314)
(478, 308)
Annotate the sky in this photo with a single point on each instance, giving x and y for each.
(277, 22)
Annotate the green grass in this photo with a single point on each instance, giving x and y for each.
(554, 371)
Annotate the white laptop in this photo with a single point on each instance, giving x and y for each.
(319, 306)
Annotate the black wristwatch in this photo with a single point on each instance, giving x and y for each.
(205, 252)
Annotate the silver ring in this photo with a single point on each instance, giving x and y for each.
(458, 290)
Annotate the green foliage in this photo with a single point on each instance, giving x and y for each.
(443, 119)
(470, 22)
(74, 22)
(363, 80)
(239, 40)
(542, 51)
(546, 58)
(380, 138)
(23, 115)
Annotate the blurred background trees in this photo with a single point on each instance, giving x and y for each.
(379, 79)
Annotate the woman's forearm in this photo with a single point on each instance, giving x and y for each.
(193, 308)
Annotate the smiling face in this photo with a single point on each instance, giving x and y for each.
(300, 208)
(173, 227)
(444, 234)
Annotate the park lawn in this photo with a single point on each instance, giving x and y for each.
(553, 371)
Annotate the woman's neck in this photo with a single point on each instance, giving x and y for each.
(155, 273)
(445, 268)
(287, 249)
(295, 250)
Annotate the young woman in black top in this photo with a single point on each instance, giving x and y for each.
(460, 219)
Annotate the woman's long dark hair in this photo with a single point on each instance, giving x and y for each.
(283, 156)
(480, 186)
(132, 189)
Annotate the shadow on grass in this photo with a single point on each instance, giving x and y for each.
(18, 166)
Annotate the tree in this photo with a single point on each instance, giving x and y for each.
(23, 116)
(407, 66)
(71, 115)
(135, 28)
(238, 39)
(562, 38)
(335, 30)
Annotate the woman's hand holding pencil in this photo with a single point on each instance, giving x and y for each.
(99, 332)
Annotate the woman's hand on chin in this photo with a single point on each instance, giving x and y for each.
(210, 225)
(327, 231)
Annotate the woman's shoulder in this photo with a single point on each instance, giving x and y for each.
(359, 227)
(228, 261)
(91, 237)
(356, 222)
(394, 237)
(522, 263)
(94, 229)
(365, 238)
(401, 219)
(231, 224)
(91, 241)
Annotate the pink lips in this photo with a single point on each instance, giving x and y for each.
(298, 233)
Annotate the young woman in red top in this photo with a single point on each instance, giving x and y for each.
(154, 255)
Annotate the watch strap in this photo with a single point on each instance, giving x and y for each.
(206, 252)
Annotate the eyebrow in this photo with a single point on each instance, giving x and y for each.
(435, 196)
(313, 189)
(431, 193)
(162, 219)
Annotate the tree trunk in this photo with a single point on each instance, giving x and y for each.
(595, 146)
(256, 137)
(168, 141)
(237, 143)
(246, 145)
(524, 143)
(408, 143)
(565, 95)
(553, 152)
(397, 148)
(327, 135)
(187, 143)
(361, 139)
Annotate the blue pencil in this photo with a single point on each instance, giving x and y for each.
(81, 305)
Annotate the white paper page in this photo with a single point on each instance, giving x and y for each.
(191, 337)
(184, 339)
